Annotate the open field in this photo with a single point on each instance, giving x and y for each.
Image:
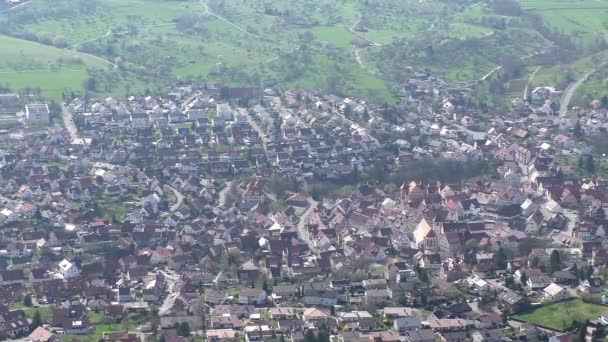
(26, 64)
(561, 315)
(583, 20)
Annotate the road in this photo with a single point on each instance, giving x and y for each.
(563, 107)
(304, 221)
(223, 193)
(179, 198)
(68, 122)
(259, 130)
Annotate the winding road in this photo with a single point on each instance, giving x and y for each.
(563, 107)
(179, 198)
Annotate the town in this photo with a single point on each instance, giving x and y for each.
(240, 214)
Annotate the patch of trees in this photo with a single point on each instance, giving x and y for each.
(505, 7)
(449, 171)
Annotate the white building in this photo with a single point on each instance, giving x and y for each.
(38, 113)
(68, 269)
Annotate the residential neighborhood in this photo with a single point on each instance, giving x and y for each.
(300, 216)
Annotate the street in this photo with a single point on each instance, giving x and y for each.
(68, 122)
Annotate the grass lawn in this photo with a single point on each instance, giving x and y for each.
(561, 315)
(97, 320)
(46, 312)
(336, 35)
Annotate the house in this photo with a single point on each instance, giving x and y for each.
(318, 317)
(252, 296)
(284, 292)
(420, 335)
(319, 294)
(512, 301)
(221, 335)
(447, 324)
(124, 294)
(400, 312)
(121, 336)
(41, 334)
(298, 200)
(554, 292)
(489, 335)
(67, 269)
(565, 278)
(405, 324)
(377, 297)
(282, 313)
(358, 320)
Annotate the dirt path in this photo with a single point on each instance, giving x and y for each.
(107, 34)
(525, 94)
(15, 7)
(357, 53)
(208, 12)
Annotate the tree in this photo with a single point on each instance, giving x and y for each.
(471, 245)
(27, 300)
(183, 329)
(36, 321)
(589, 164)
(582, 332)
(424, 276)
(501, 258)
(581, 163)
(523, 278)
(578, 131)
(556, 261)
(309, 336)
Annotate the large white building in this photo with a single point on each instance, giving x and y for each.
(38, 113)
(68, 269)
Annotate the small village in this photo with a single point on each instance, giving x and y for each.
(235, 214)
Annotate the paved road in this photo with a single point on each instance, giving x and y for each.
(304, 221)
(223, 193)
(68, 121)
(563, 108)
(258, 129)
(179, 198)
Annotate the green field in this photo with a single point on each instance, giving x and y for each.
(561, 315)
(280, 43)
(28, 64)
(582, 20)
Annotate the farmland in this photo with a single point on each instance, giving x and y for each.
(284, 43)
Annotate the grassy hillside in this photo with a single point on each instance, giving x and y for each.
(284, 43)
(28, 64)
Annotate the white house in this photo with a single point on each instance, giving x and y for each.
(554, 292)
(68, 269)
(252, 296)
